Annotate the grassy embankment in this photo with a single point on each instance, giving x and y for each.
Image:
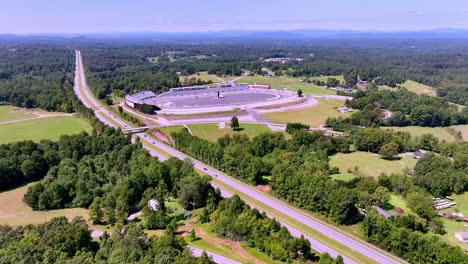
(313, 116)
(213, 132)
(290, 83)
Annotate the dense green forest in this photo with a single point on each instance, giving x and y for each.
(112, 177)
(299, 172)
(37, 76)
(127, 68)
(60, 241)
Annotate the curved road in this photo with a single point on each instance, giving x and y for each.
(328, 230)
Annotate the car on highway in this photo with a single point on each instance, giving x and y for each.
(205, 169)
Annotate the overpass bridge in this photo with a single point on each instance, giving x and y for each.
(138, 129)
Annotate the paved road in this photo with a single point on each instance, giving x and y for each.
(328, 230)
(196, 252)
(34, 118)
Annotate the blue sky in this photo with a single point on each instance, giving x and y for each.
(95, 16)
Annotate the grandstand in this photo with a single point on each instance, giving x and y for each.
(133, 100)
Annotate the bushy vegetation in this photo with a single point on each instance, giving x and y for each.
(407, 109)
(60, 241)
(233, 219)
(413, 245)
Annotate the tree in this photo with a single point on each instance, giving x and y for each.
(193, 235)
(389, 150)
(234, 123)
(95, 211)
(299, 93)
(380, 196)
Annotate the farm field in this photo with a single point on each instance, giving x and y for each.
(14, 212)
(463, 130)
(44, 128)
(313, 116)
(419, 88)
(213, 132)
(290, 83)
(368, 164)
(442, 133)
(10, 113)
(204, 76)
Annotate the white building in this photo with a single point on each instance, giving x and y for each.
(153, 204)
(462, 236)
(133, 100)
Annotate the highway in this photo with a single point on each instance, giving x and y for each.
(362, 247)
(196, 252)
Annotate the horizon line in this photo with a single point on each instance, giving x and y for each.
(236, 30)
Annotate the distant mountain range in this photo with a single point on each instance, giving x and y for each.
(257, 34)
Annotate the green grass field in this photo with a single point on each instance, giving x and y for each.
(168, 130)
(14, 212)
(369, 164)
(386, 87)
(325, 78)
(439, 132)
(418, 88)
(204, 76)
(398, 201)
(44, 128)
(213, 132)
(290, 83)
(153, 59)
(10, 113)
(313, 116)
(463, 129)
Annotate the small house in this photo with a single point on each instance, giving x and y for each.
(419, 153)
(153, 204)
(462, 236)
(382, 212)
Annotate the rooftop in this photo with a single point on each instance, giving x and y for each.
(463, 235)
(383, 212)
(138, 97)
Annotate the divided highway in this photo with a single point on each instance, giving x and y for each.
(362, 247)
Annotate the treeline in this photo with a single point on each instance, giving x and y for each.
(234, 220)
(414, 246)
(37, 75)
(406, 109)
(110, 175)
(27, 161)
(60, 241)
(124, 69)
(298, 167)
